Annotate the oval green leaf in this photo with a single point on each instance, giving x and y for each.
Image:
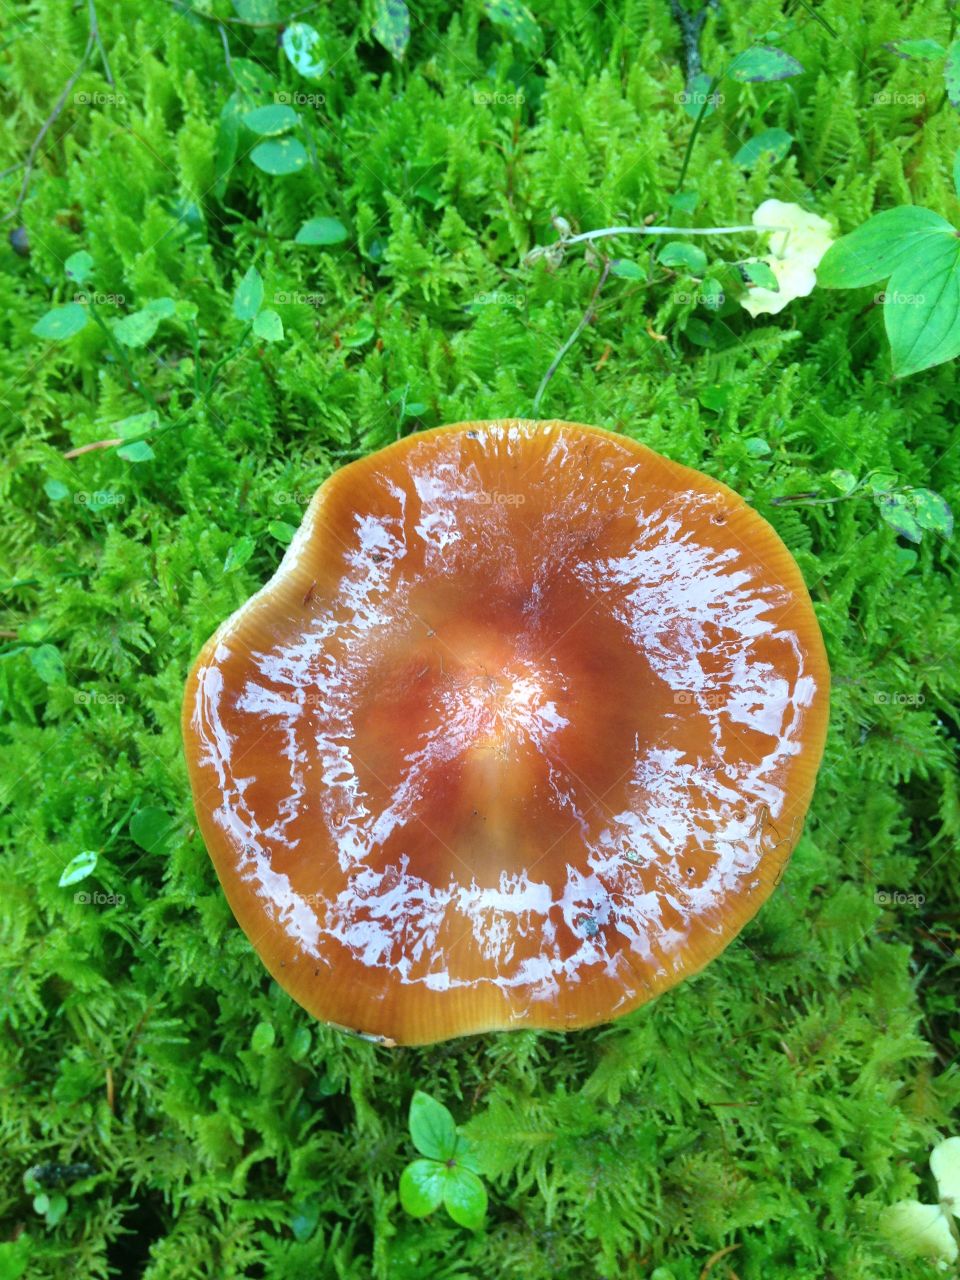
(875, 250)
(422, 1185)
(304, 50)
(47, 663)
(78, 266)
(136, 329)
(678, 253)
(268, 121)
(391, 26)
(763, 63)
(151, 828)
(465, 1198)
(432, 1127)
(516, 19)
(921, 309)
(61, 322)
(321, 231)
(279, 158)
(774, 143)
(78, 868)
(239, 554)
(268, 326)
(248, 298)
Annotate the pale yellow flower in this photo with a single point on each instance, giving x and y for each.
(794, 254)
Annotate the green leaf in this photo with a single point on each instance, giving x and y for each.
(304, 50)
(465, 1198)
(627, 270)
(227, 143)
(951, 73)
(279, 158)
(716, 398)
(711, 294)
(772, 142)
(359, 334)
(61, 322)
(896, 512)
(268, 326)
(875, 250)
(239, 554)
(391, 26)
(151, 828)
(300, 1043)
(881, 481)
(432, 1127)
(78, 266)
(136, 329)
(162, 307)
(422, 1185)
(55, 490)
(321, 231)
(248, 298)
(253, 83)
(270, 120)
(684, 201)
(466, 1154)
(56, 1208)
(921, 308)
(263, 1037)
(678, 253)
(78, 868)
(47, 663)
(761, 274)
(932, 511)
(137, 424)
(282, 531)
(763, 63)
(138, 451)
(256, 11)
(696, 94)
(843, 481)
(757, 447)
(517, 19)
(304, 1221)
(926, 50)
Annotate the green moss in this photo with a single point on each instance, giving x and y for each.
(775, 1103)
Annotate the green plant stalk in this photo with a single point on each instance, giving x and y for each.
(121, 355)
(696, 128)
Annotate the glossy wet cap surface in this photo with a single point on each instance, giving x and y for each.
(521, 733)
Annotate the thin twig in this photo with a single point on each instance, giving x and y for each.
(95, 36)
(584, 321)
(667, 231)
(690, 24)
(45, 128)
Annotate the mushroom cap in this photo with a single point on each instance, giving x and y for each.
(521, 733)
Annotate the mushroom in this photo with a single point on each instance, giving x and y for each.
(521, 733)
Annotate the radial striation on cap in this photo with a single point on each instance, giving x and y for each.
(521, 733)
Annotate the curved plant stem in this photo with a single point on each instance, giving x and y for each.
(584, 321)
(711, 90)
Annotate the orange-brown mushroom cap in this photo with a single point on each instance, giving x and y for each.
(521, 733)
